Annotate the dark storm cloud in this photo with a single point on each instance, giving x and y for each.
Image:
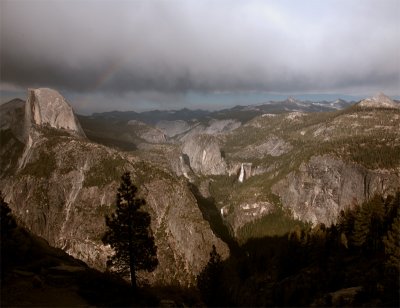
(208, 46)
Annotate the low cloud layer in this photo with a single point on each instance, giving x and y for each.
(176, 47)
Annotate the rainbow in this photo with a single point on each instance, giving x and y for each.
(108, 73)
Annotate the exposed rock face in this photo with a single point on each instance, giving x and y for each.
(66, 185)
(183, 130)
(204, 155)
(378, 101)
(184, 164)
(324, 186)
(148, 133)
(67, 207)
(239, 215)
(173, 128)
(273, 146)
(221, 126)
(196, 129)
(185, 232)
(47, 107)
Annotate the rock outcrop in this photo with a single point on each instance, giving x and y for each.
(47, 107)
(184, 130)
(205, 155)
(325, 185)
(380, 100)
(273, 146)
(241, 214)
(221, 126)
(173, 128)
(148, 133)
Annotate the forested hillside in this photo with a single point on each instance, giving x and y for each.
(355, 262)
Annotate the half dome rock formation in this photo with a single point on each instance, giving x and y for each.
(380, 100)
(47, 107)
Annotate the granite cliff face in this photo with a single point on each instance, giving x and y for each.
(204, 155)
(63, 185)
(272, 146)
(325, 185)
(173, 128)
(147, 133)
(47, 107)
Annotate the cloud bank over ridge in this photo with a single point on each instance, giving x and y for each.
(161, 50)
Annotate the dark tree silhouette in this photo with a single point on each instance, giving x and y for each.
(7, 221)
(392, 263)
(129, 234)
(369, 223)
(209, 281)
(392, 244)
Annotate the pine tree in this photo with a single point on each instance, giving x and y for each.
(209, 281)
(369, 224)
(392, 244)
(129, 234)
(392, 204)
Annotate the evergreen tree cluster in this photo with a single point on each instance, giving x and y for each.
(360, 255)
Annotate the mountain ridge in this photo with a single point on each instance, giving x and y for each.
(62, 185)
(380, 100)
(297, 167)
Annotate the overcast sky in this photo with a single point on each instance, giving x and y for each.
(134, 55)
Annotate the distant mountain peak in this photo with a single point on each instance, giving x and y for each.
(291, 99)
(380, 100)
(380, 96)
(339, 100)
